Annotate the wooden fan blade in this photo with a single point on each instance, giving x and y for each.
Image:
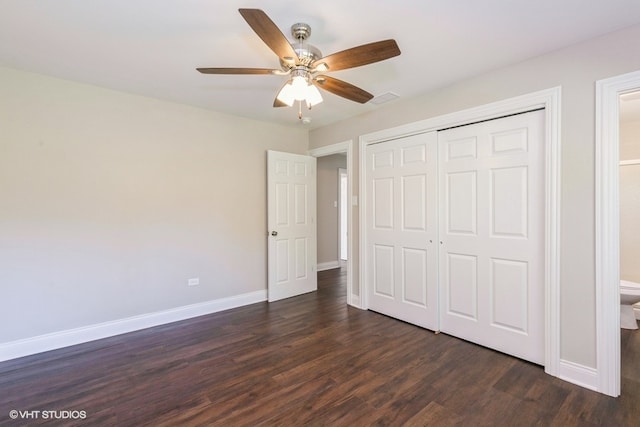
(269, 33)
(360, 55)
(343, 89)
(237, 70)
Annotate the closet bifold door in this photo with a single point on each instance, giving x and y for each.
(491, 201)
(401, 229)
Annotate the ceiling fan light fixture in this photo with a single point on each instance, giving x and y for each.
(313, 96)
(298, 89)
(299, 86)
(286, 94)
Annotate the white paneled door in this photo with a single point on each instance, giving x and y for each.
(401, 231)
(491, 258)
(291, 194)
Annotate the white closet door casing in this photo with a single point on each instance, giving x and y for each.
(492, 232)
(401, 239)
(291, 194)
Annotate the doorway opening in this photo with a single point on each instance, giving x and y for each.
(608, 92)
(629, 188)
(342, 211)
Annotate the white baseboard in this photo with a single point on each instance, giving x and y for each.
(322, 266)
(577, 374)
(355, 301)
(52, 341)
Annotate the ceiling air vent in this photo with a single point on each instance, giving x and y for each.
(385, 97)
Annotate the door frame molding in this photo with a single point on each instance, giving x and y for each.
(607, 217)
(343, 172)
(550, 100)
(338, 148)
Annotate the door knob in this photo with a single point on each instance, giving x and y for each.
(274, 233)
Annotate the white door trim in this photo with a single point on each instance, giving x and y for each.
(345, 147)
(548, 99)
(607, 217)
(342, 229)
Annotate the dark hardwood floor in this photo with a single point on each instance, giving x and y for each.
(309, 360)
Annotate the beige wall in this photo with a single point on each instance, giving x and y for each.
(110, 202)
(576, 69)
(328, 214)
(630, 202)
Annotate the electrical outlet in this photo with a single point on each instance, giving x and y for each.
(194, 282)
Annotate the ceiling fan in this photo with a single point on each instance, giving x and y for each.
(305, 65)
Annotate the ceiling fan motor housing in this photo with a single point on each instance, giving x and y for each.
(307, 53)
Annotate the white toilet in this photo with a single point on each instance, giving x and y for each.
(629, 295)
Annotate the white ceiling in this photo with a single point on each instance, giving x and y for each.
(152, 47)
